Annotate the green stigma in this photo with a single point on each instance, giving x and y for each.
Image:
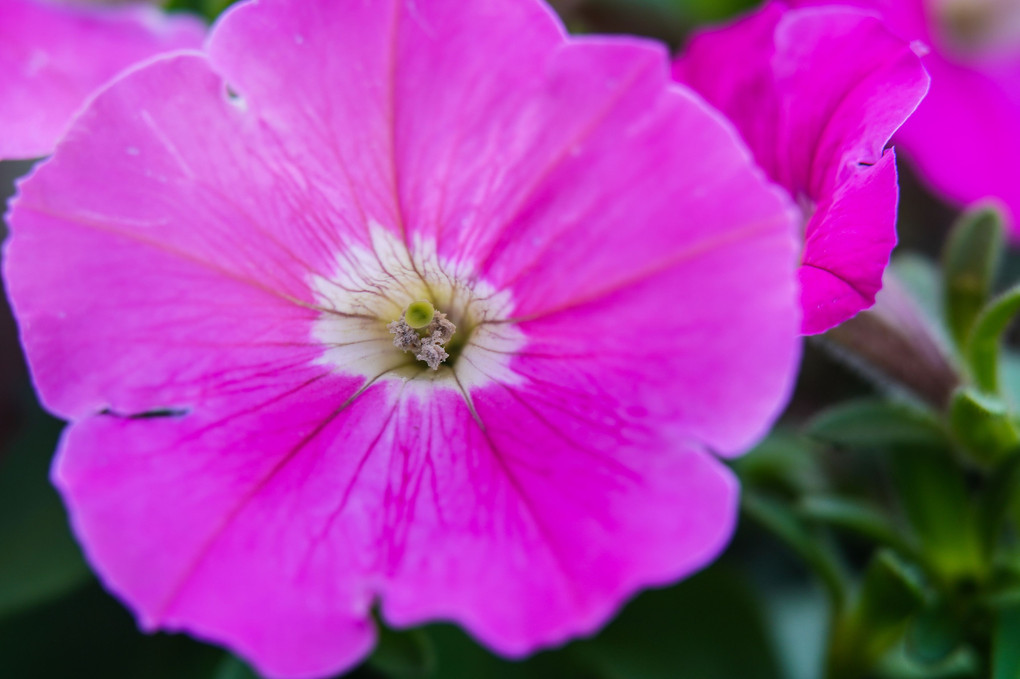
(419, 314)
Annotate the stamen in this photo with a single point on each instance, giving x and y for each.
(426, 340)
(433, 354)
(406, 337)
(441, 330)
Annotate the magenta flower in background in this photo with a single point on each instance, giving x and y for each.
(817, 93)
(53, 57)
(965, 138)
(213, 272)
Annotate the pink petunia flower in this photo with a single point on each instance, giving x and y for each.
(965, 138)
(417, 304)
(53, 57)
(817, 93)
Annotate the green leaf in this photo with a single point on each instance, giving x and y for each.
(1006, 649)
(900, 664)
(705, 11)
(982, 349)
(934, 634)
(922, 280)
(679, 11)
(783, 523)
(194, 6)
(857, 517)
(784, 461)
(210, 9)
(458, 656)
(878, 424)
(686, 631)
(39, 560)
(971, 260)
(234, 668)
(1001, 490)
(1009, 365)
(798, 618)
(891, 592)
(893, 589)
(934, 494)
(403, 654)
(983, 425)
(213, 8)
(1005, 594)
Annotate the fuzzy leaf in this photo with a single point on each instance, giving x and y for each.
(986, 339)
(403, 654)
(233, 668)
(982, 425)
(1006, 651)
(891, 592)
(934, 635)
(878, 424)
(971, 259)
(782, 522)
(855, 516)
(933, 492)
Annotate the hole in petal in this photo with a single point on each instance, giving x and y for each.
(234, 99)
(148, 414)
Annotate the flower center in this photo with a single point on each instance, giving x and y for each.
(387, 307)
(423, 331)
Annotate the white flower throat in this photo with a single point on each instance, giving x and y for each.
(372, 317)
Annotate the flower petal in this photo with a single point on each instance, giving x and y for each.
(180, 267)
(185, 255)
(849, 84)
(212, 523)
(844, 255)
(909, 19)
(964, 138)
(731, 66)
(521, 542)
(52, 58)
(274, 530)
(682, 343)
(818, 93)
